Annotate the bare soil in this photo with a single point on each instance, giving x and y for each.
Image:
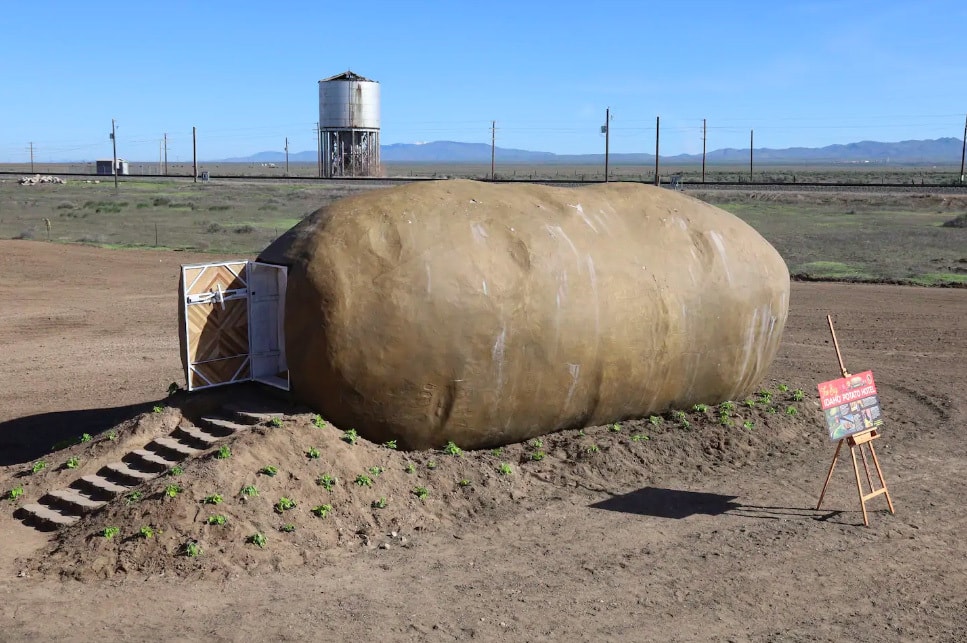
(700, 533)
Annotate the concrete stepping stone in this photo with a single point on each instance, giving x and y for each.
(72, 497)
(51, 516)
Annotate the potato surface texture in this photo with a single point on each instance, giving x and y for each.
(489, 314)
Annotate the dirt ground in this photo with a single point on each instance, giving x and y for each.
(88, 339)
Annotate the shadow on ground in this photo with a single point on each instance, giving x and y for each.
(28, 438)
(679, 504)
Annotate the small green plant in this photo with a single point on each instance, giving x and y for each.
(191, 549)
(798, 395)
(224, 453)
(269, 471)
(594, 448)
(175, 471)
(678, 416)
(537, 443)
(410, 467)
(112, 436)
(111, 532)
(318, 422)
(363, 480)
(284, 504)
(39, 466)
(326, 481)
(322, 510)
(782, 388)
(276, 422)
(312, 453)
(791, 410)
(615, 428)
(504, 469)
(765, 397)
(258, 539)
(72, 463)
(749, 402)
(146, 532)
(15, 493)
(391, 444)
(375, 471)
(133, 497)
(464, 483)
(537, 456)
(727, 407)
(421, 492)
(350, 436)
(287, 528)
(172, 490)
(452, 449)
(217, 519)
(173, 387)
(638, 437)
(771, 409)
(379, 504)
(214, 499)
(249, 490)
(685, 424)
(654, 420)
(431, 464)
(748, 425)
(158, 409)
(725, 420)
(499, 451)
(86, 437)
(700, 408)
(581, 433)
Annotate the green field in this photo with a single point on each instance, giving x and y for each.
(866, 236)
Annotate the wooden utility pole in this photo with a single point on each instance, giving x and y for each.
(657, 131)
(607, 140)
(287, 156)
(166, 153)
(32, 160)
(751, 147)
(963, 151)
(704, 137)
(194, 153)
(114, 144)
(493, 148)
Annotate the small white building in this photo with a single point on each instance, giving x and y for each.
(104, 167)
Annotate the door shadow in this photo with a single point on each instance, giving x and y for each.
(28, 438)
(678, 504)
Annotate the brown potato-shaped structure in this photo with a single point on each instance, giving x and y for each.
(488, 314)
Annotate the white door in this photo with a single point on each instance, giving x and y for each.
(233, 324)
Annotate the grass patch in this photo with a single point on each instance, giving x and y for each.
(831, 270)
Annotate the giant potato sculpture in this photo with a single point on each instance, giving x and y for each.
(487, 314)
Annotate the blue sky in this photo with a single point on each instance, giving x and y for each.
(807, 73)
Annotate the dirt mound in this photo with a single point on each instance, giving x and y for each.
(220, 516)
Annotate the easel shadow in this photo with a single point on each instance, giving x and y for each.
(678, 504)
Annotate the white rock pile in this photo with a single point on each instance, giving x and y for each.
(35, 179)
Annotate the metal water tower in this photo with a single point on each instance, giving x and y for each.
(349, 125)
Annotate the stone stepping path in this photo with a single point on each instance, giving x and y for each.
(90, 493)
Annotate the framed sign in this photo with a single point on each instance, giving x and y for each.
(850, 405)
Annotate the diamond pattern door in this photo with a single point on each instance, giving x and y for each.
(215, 314)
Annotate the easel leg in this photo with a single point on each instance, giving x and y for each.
(866, 466)
(829, 475)
(879, 473)
(859, 486)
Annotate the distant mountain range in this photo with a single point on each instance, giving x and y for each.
(935, 151)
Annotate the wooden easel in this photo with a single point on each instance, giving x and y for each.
(857, 441)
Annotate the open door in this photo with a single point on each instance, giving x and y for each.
(233, 324)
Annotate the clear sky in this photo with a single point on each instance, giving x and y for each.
(801, 73)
